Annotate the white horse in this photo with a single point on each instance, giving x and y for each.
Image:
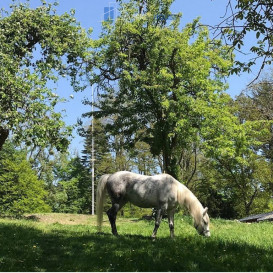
(162, 192)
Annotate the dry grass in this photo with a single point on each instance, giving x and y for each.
(71, 219)
(62, 218)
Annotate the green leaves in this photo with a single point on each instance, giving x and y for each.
(163, 75)
(243, 17)
(36, 47)
(20, 190)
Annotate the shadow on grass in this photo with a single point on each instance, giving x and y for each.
(64, 249)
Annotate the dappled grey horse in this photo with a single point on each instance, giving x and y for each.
(162, 192)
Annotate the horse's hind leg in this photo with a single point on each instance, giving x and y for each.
(112, 215)
(158, 218)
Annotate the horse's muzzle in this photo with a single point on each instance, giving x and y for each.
(206, 233)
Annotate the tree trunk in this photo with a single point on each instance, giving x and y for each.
(170, 164)
(4, 133)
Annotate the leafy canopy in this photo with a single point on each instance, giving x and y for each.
(37, 46)
(158, 81)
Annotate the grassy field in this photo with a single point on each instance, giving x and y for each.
(58, 242)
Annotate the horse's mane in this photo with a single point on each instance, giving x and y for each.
(186, 198)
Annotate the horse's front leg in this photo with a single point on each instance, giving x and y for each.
(158, 218)
(171, 222)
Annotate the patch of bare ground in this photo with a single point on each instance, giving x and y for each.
(72, 219)
(62, 218)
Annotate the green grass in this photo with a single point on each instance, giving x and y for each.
(27, 245)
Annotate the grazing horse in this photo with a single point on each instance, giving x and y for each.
(162, 192)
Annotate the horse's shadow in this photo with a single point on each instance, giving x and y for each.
(125, 236)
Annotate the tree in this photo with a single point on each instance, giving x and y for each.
(37, 46)
(241, 18)
(215, 191)
(143, 160)
(167, 78)
(20, 189)
(242, 170)
(103, 159)
(72, 188)
(256, 104)
(244, 183)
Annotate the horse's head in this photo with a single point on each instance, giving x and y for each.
(201, 223)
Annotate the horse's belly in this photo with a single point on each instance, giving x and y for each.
(143, 201)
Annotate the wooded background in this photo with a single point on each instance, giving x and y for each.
(161, 106)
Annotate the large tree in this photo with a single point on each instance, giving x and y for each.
(37, 46)
(159, 81)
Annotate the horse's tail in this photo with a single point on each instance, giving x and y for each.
(101, 191)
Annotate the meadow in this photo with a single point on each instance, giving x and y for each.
(58, 242)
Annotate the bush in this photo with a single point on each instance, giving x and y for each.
(20, 189)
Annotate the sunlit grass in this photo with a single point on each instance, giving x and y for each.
(39, 246)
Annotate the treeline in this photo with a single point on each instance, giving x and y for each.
(42, 181)
(38, 181)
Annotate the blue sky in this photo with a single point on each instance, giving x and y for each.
(90, 14)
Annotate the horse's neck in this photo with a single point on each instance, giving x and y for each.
(190, 201)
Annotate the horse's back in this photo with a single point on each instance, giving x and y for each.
(122, 181)
(142, 190)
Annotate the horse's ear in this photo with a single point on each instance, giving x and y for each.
(205, 211)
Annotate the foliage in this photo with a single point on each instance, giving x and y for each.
(55, 247)
(236, 178)
(104, 163)
(37, 46)
(72, 192)
(67, 182)
(214, 191)
(244, 17)
(235, 189)
(163, 104)
(144, 162)
(167, 78)
(132, 211)
(256, 104)
(20, 189)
